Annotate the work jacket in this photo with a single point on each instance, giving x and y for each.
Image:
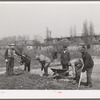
(65, 57)
(9, 53)
(25, 59)
(87, 60)
(44, 58)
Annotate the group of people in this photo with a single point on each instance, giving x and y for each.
(86, 65)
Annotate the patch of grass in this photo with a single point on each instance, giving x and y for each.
(75, 54)
(2, 60)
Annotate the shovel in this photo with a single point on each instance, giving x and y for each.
(80, 79)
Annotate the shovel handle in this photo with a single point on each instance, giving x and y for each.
(80, 79)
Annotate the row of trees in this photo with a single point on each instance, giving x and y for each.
(48, 34)
(20, 40)
(87, 32)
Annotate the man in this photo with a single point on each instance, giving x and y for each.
(45, 62)
(78, 67)
(65, 58)
(9, 59)
(88, 65)
(26, 60)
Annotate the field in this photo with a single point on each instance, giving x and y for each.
(31, 53)
(31, 81)
(35, 81)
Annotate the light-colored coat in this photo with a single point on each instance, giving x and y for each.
(44, 58)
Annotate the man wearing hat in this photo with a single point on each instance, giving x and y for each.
(65, 58)
(88, 65)
(9, 59)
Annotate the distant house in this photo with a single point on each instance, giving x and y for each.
(29, 46)
(78, 39)
(54, 40)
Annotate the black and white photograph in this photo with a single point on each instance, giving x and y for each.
(49, 46)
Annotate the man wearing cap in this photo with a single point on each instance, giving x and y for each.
(88, 65)
(9, 59)
(65, 58)
(45, 62)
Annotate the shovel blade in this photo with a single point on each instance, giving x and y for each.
(80, 80)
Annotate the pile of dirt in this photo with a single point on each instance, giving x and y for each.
(25, 80)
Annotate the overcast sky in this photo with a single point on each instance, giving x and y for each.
(33, 18)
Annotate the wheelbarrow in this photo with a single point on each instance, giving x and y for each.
(59, 72)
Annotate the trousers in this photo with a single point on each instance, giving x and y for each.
(89, 73)
(46, 69)
(9, 67)
(77, 75)
(65, 66)
(45, 66)
(27, 66)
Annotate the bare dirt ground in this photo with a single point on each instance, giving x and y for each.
(49, 83)
(95, 74)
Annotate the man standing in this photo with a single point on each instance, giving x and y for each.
(9, 59)
(65, 58)
(88, 65)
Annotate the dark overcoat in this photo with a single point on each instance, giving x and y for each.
(65, 57)
(87, 60)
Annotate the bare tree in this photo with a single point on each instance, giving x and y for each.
(85, 32)
(8, 40)
(74, 31)
(21, 42)
(22, 39)
(91, 32)
(37, 40)
(71, 34)
(48, 34)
